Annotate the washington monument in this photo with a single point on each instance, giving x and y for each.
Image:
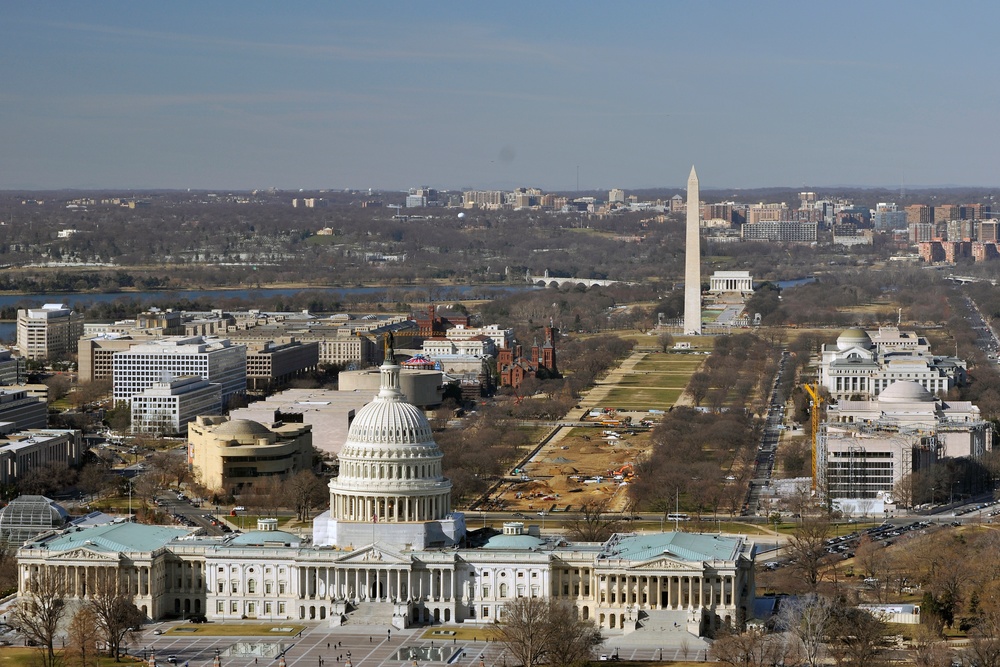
(692, 260)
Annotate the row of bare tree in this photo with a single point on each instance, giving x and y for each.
(106, 618)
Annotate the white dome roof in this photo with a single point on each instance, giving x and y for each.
(391, 422)
(854, 338)
(905, 391)
(389, 419)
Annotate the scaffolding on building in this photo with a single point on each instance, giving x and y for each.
(925, 438)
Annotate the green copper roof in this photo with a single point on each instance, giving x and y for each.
(682, 546)
(112, 538)
(513, 542)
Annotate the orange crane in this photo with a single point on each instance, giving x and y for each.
(817, 402)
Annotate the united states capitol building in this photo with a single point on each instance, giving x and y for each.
(391, 551)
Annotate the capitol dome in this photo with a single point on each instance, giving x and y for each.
(390, 421)
(905, 391)
(390, 466)
(854, 338)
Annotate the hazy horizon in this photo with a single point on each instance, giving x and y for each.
(252, 95)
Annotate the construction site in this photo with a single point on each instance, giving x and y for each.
(593, 455)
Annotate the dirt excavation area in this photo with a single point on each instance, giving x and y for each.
(579, 465)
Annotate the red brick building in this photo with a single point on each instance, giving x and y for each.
(514, 366)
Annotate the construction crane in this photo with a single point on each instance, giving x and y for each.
(388, 337)
(817, 401)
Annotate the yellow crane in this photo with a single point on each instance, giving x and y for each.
(817, 401)
(388, 337)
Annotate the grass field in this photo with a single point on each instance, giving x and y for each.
(643, 399)
(18, 656)
(655, 382)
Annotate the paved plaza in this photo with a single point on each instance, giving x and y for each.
(372, 646)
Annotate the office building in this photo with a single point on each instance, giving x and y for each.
(166, 408)
(95, 354)
(24, 449)
(273, 363)
(13, 369)
(22, 410)
(784, 231)
(214, 359)
(49, 332)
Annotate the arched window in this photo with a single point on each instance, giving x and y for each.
(503, 590)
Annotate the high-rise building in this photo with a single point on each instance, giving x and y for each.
(987, 232)
(48, 332)
(946, 212)
(692, 258)
(919, 213)
(616, 196)
(888, 217)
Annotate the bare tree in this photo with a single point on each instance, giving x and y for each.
(856, 637)
(304, 491)
(81, 639)
(594, 523)
(665, 341)
(172, 466)
(931, 650)
(116, 615)
(58, 385)
(147, 486)
(806, 618)
(92, 477)
(39, 610)
(983, 648)
(754, 647)
(698, 387)
(540, 630)
(266, 496)
(807, 550)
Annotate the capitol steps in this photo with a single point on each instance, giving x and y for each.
(371, 613)
(665, 621)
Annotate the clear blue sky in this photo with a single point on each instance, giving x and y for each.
(241, 95)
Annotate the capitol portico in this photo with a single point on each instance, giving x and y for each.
(391, 551)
